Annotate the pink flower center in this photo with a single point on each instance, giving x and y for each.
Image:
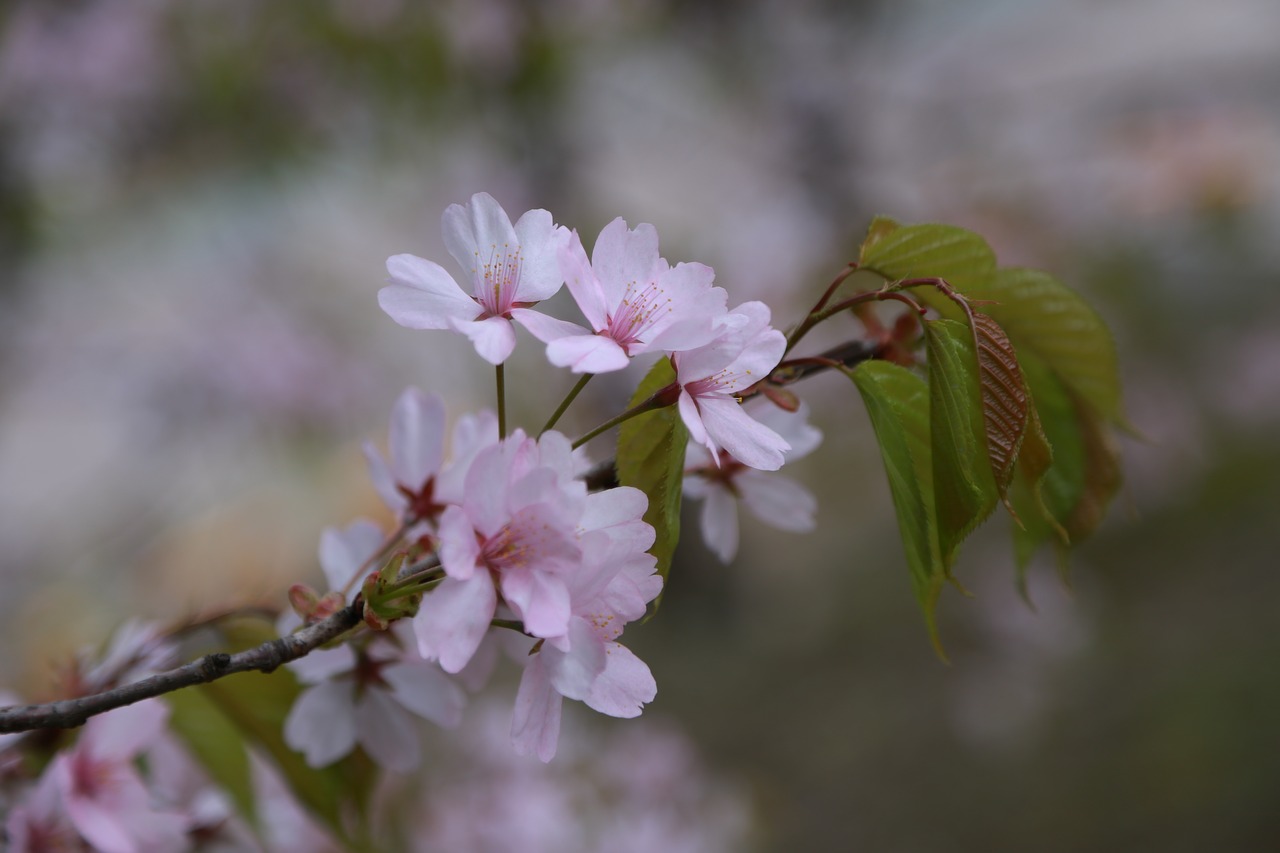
(497, 280)
(641, 309)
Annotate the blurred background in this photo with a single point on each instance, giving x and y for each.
(197, 200)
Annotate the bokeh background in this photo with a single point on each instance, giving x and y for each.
(197, 200)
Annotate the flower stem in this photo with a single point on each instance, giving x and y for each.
(502, 403)
(660, 400)
(564, 405)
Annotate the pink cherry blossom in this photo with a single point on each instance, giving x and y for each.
(633, 300)
(101, 792)
(515, 531)
(586, 662)
(776, 500)
(510, 268)
(745, 351)
(366, 694)
(415, 450)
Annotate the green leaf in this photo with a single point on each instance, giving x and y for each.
(216, 744)
(651, 458)
(957, 255)
(965, 490)
(1043, 316)
(897, 402)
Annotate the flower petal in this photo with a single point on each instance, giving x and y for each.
(751, 442)
(423, 296)
(625, 685)
(720, 523)
(386, 731)
(573, 672)
(454, 618)
(540, 242)
(322, 724)
(583, 284)
(539, 598)
(426, 691)
(476, 231)
(545, 328)
(416, 437)
(535, 725)
(493, 337)
(777, 501)
(588, 354)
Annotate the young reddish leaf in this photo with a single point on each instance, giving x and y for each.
(651, 458)
(1101, 475)
(897, 402)
(1005, 404)
(965, 490)
(1041, 315)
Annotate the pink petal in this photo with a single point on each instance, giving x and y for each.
(540, 243)
(623, 257)
(778, 501)
(535, 725)
(459, 549)
(426, 691)
(583, 284)
(794, 427)
(416, 437)
(540, 599)
(323, 664)
(342, 552)
(692, 418)
(121, 734)
(588, 354)
(612, 507)
(488, 481)
(423, 296)
(751, 442)
(474, 232)
(493, 337)
(573, 672)
(625, 685)
(454, 618)
(321, 724)
(383, 482)
(720, 523)
(545, 328)
(386, 732)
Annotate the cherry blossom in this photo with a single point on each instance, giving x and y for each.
(101, 792)
(366, 693)
(776, 500)
(745, 351)
(586, 662)
(515, 531)
(510, 267)
(633, 300)
(415, 449)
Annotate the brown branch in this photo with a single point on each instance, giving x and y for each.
(69, 713)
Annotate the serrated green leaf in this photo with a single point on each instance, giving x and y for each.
(897, 402)
(964, 488)
(931, 250)
(651, 458)
(216, 745)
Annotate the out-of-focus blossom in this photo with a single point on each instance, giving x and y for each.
(136, 650)
(774, 499)
(415, 450)
(366, 694)
(745, 351)
(633, 300)
(511, 268)
(101, 791)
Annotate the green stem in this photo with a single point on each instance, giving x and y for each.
(564, 405)
(393, 539)
(502, 403)
(660, 400)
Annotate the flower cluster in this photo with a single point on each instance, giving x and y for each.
(503, 537)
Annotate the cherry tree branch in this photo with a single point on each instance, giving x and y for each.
(69, 713)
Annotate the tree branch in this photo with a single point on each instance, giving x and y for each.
(69, 713)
